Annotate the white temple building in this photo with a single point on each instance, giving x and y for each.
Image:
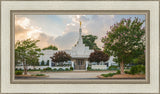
(79, 56)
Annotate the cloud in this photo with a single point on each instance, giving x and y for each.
(64, 38)
(45, 40)
(24, 29)
(95, 25)
(67, 40)
(98, 25)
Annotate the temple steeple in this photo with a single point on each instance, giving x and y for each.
(80, 41)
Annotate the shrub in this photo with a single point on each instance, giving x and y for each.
(71, 68)
(127, 72)
(108, 75)
(60, 69)
(138, 69)
(118, 72)
(47, 69)
(54, 69)
(18, 72)
(40, 74)
(66, 69)
(88, 68)
(113, 67)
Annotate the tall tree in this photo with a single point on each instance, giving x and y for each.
(51, 47)
(125, 41)
(33, 57)
(27, 53)
(60, 57)
(98, 56)
(89, 40)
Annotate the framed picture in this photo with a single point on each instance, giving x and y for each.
(79, 47)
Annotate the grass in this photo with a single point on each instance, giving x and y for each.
(108, 75)
(38, 75)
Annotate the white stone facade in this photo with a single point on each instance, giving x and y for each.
(79, 53)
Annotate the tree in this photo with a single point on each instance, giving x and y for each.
(42, 62)
(98, 56)
(27, 53)
(140, 60)
(125, 41)
(33, 57)
(60, 56)
(51, 47)
(89, 40)
(47, 63)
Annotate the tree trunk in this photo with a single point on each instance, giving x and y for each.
(25, 71)
(25, 68)
(122, 67)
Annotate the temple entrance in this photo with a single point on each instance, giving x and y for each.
(80, 64)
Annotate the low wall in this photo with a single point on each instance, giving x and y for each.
(99, 67)
(41, 67)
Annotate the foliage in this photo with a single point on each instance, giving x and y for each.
(113, 67)
(47, 63)
(127, 72)
(54, 69)
(108, 75)
(42, 63)
(118, 72)
(111, 74)
(27, 53)
(51, 47)
(89, 40)
(40, 74)
(125, 41)
(88, 68)
(60, 56)
(47, 69)
(60, 69)
(66, 69)
(71, 68)
(98, 56)
(140, 60)
(18, 72)
(138, 69)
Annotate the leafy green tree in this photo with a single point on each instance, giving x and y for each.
(98, 56)
(140, 60)
(27, 53)
(34, 55)
(51, 47)
(125, 41)
(89, 40)
(47, 63)
(60, 57)
(42, 62)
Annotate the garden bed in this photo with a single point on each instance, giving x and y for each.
(39, 75)
(124, 76)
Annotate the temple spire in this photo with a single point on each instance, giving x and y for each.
(80, 41)
(80, 23)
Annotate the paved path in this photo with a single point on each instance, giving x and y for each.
(73, 75)
(69, 75)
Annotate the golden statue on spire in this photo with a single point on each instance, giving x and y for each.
(80, 23)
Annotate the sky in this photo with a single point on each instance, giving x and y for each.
(62, 30)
